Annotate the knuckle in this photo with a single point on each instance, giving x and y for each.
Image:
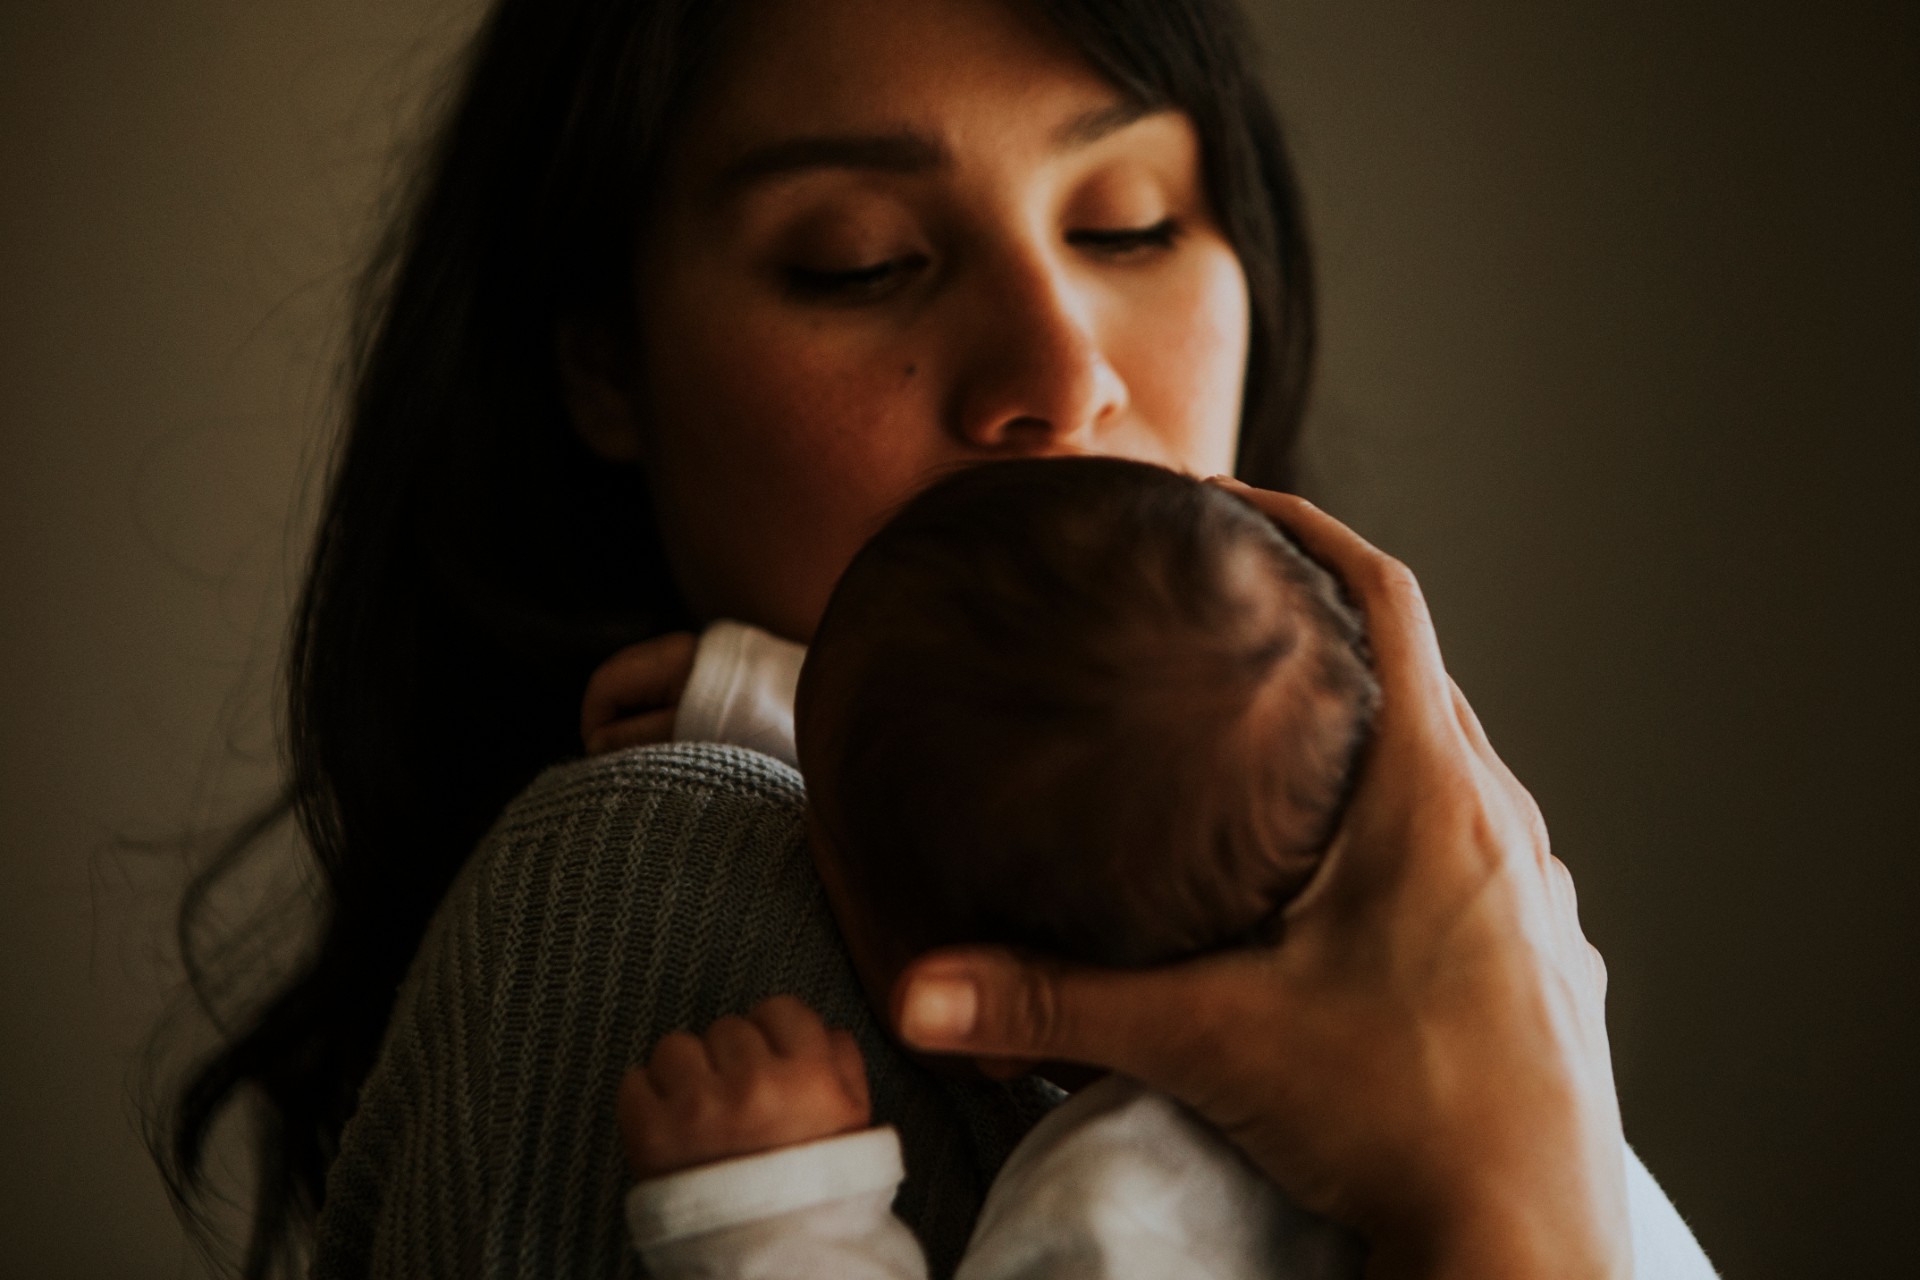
(703, 1109)
(677, 1061)
(814, 1087)
(1537, 827)
(1394, 579)
(1563, 882)
(1038, 1013)
(1531, 815)
(1484, 836)
(760, 1093)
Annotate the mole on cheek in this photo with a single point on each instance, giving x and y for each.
(912, 369)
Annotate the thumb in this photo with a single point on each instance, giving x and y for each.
(993, 1003)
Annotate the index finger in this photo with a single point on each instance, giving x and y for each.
(1399, 627)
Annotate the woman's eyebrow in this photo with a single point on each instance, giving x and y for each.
(901, 151)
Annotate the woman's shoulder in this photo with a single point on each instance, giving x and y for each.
(638, 779)
(605, 844)
(669, 766)
(615, 899)
(624, 870)
(648, 816)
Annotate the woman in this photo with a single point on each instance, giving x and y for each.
(690, 295)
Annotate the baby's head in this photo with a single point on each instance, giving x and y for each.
(1085, 706)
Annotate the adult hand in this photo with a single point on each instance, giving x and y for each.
(1423, 1055)
(631, 698)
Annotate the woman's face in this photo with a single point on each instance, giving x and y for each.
(899, 238)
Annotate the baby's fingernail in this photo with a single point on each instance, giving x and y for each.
(1227, 481)
(939, 1011)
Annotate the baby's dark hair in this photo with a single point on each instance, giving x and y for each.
(1087, 706)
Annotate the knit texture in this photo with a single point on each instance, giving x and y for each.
(617, 899)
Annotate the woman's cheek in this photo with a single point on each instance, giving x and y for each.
(1185, 359)
(813, 448)
(827, 420)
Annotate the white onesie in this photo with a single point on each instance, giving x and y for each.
(1117, 1183)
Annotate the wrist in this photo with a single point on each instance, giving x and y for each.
(1509, 1201)
(1510, 1235)
(1515, 1249)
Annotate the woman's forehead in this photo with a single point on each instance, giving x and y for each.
(958, 73)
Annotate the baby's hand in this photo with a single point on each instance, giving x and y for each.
(632, 696)
(776, 1077)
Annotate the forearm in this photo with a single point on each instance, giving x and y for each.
(1654, 1244)
(1555, 1205)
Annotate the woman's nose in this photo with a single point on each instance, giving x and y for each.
(1036, 378)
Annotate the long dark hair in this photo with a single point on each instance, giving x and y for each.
(474, 562)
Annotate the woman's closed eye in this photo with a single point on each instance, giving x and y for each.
(875, 280)
(1127, 241)
(854, 284)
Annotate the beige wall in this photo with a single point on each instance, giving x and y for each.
(1621, 354)
(183, 189)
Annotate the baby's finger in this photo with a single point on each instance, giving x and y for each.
(736, 1047)
(851, 1068)
(679, 1066)
(644, 730)
(792, 1029)
(641, 677)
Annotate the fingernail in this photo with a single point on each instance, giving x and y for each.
(939, 1011)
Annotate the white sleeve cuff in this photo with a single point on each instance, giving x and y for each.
(731, 1192)
(741, 690)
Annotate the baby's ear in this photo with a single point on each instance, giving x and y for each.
(596, 384)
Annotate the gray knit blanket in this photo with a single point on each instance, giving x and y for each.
(616, 900)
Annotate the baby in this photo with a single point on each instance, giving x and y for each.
(1088, 707)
